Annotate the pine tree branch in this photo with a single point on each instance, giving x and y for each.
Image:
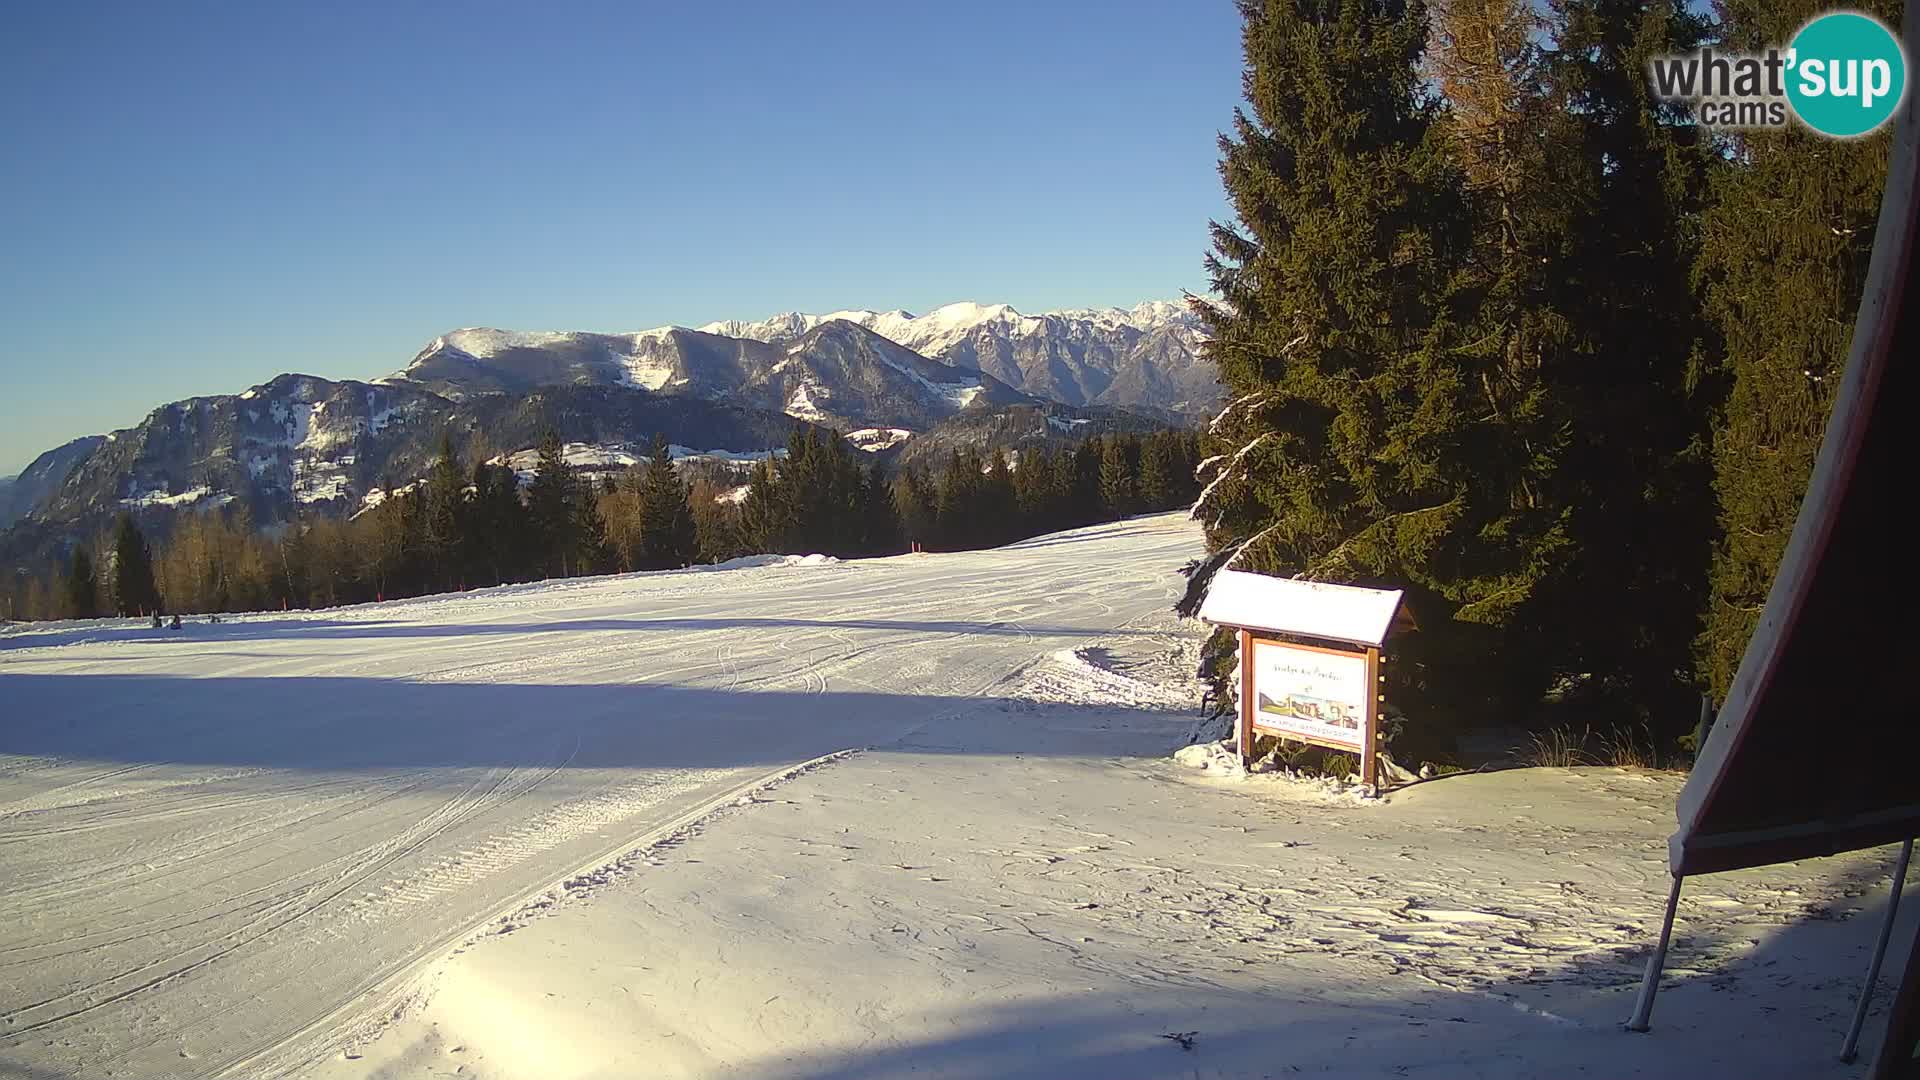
(1338, 556)
(1213, 426)
(1193, 512)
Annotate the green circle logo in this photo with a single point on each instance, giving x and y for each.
(1847, 74)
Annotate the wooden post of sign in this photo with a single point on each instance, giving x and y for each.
(1246, 699)
(1369, 738)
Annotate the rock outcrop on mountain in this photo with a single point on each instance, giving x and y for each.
(835, 372)
(1145, 358)
(38, 481)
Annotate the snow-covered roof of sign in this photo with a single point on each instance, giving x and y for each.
(1308, 608)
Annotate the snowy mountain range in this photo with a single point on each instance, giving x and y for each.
(1144, 358)
(950, 324)
(962, 374)
(835, 372)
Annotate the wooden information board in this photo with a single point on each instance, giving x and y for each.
(1309, 660)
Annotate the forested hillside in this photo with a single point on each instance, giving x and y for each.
(1500, 329)
(472, 524)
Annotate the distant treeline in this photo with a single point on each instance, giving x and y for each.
(467, 527)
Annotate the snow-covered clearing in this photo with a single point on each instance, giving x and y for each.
(213, 838)
(1038, 892)
(614, 828)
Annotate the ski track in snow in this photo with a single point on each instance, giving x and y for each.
(217, 837)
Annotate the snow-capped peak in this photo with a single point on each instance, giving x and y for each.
(941, 327)
(484, 342)
(1146, 355)
(968, 313)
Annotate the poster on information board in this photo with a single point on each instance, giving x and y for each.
(1315, 695)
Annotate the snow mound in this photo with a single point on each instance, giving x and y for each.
(749, 562)
(1211, 757)
(1075, 675)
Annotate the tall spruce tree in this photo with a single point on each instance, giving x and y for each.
(1186, 485)
(591, 554)
(446, 523)
(804, 481)
(998, 505)
(498, 521)
(82, 587)
(134, 592)
(1579, 191)
(916, 503)
(1620, 192)
(1032, 482)
(837, 523)
(667, 535)
(880, 528)
(1061, 484)
(1117, 485)
(1366, 439)
(1158, 465)
(552, 509)
(1081, 477)
(958, 500)
(1783, 259)
(766, 514)
(716, 523)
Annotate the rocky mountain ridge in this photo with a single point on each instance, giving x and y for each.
(302, 444)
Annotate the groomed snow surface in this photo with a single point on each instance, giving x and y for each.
(806, 818)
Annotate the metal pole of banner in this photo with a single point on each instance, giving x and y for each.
(1702, 725)
(1643, 1009)
(1849, 1048)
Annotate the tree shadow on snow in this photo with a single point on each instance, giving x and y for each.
(1779, 1011)
(268, 628)
(348, 723)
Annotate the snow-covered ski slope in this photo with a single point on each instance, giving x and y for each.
(215, 838)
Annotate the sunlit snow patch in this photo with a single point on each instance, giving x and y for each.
(171, 500)
(874, 440)
(801, 405)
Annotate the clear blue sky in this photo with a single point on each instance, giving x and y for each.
(198, 196)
